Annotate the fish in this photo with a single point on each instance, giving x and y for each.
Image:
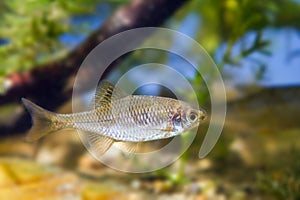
(119, 118)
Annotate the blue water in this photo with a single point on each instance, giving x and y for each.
(91, 23)
(282, 67)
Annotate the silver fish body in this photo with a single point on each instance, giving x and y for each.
(136, 118)
(120, 118)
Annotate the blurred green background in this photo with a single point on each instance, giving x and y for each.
(256, 46)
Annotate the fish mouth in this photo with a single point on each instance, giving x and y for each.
(203, 116)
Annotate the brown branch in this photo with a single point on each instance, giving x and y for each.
(45, 84)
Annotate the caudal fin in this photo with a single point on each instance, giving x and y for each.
(41, 119)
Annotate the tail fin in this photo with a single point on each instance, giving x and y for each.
(41, 119)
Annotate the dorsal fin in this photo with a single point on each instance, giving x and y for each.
(106, 91)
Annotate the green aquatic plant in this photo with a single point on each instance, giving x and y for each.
(30, 31)
(282, 182)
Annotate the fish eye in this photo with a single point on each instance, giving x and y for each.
(192, 116)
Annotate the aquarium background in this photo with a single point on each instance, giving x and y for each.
(256, 47)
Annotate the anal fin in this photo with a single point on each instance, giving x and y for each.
(129, 147)
(97, 143)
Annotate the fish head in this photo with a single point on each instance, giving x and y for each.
(187, 117)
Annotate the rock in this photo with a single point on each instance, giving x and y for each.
(25, 171)
(175, 197)
(88, 165)
(237, 195)
(5, 179)
(23, 179)
(136, 184)
(62, 148)
(16, 146)
(193, 188)
(105, 191)
(160, 186)
(204, 164)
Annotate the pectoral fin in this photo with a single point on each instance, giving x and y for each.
(97, 143)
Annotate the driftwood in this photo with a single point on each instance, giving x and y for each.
(46, 84)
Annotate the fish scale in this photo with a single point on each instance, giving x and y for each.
(131, 120)
(119, 117)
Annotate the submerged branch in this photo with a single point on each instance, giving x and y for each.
(46, 84)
